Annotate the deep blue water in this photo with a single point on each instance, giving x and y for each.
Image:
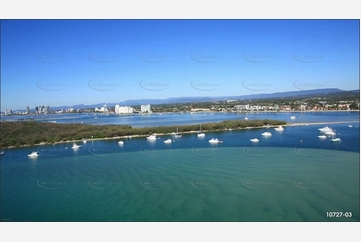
(291, 176)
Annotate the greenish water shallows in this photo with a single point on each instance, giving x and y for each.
(198, 184)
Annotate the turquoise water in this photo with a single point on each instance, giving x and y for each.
(291, 176)
(197, 184)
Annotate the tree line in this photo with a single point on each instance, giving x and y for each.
(21, 133)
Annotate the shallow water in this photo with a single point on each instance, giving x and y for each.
(203, 184)
(291, 176)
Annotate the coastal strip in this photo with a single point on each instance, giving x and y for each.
(30, 133)
(230, 124)
(321, 123)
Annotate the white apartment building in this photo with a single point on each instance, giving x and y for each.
(145, 108)
(123, 109)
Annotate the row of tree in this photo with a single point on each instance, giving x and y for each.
(31, 132)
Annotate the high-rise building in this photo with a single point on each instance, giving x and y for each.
(116, 108)
(145, 108)
(8, 111)
(47, 110)
(105, 108)
(27, 110)
(123, 109)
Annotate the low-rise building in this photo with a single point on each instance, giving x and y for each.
(241, 107)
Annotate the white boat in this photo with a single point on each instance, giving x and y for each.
(335, 140)
(246, 118)
(330, 133)
(293, 117)
(322, 136)
(2, 152)
(200, 134)
(152, 137)
(168, 141)
(33, 154)
(254, 140)
(279, 128)
(266, 134)
(350, 126)
(84, 141)
(215, 141)
(75, 146)
(325, 129)
(176, 135)
(121, 142)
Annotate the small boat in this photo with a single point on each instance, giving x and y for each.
(246, 118)
(121, 142)
(168, 141)
(33, 154)
(350, 126)
(84, 141)
(293, 117)
(215, 141)
(152, 137)
(176, 135)
(279, 128)
(267, 134)
(254, 140)
(75, 146)
(200, 134)
(335, 140)
(330, 133)
(325, 129)
(322, 136)
(2, 152)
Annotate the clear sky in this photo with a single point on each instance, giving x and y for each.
(68, 62)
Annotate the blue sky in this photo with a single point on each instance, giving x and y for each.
(68, 62)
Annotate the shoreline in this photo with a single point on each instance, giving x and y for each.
(187, 112)
(318, 123)
(288, 124)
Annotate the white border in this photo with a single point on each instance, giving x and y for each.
(179, 231)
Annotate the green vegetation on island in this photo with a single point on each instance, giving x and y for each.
(17, 134)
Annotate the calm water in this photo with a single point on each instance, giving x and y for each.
(291, 176)
(149, 120)
(278, 179)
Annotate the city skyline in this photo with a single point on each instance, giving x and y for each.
(69, 62)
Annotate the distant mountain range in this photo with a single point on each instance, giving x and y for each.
(290, 94)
